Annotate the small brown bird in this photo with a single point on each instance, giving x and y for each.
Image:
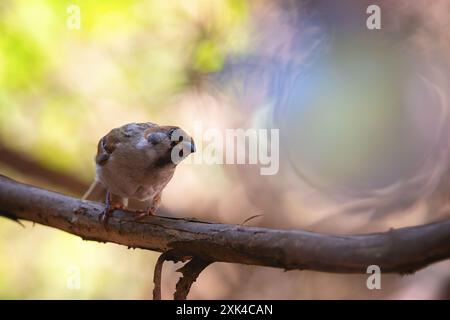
(136, 161)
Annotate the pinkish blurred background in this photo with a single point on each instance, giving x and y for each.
(363, 118)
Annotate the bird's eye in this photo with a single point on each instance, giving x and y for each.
(171, 131)
(174, 138)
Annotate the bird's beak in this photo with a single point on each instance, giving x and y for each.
(189, 145)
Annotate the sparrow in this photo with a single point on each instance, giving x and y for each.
(136, 161)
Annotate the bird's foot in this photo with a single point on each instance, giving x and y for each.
(112, 202)
(107, 213)
(145, 213)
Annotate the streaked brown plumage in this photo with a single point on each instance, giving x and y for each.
(137, 161)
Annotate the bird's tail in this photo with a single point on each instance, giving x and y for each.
(95, 192)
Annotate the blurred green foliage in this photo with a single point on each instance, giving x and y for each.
(61, 89)
(137, 53)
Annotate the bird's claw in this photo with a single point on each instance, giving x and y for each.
(104, 216)
(145, 213)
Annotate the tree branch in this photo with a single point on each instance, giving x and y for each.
(396, 251)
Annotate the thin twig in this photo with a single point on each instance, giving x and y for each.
(171, 255)
(251, 218)
(190, 272)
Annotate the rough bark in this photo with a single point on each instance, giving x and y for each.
(395, 251)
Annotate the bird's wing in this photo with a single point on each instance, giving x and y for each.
(106, 146)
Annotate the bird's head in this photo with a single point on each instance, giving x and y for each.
(172, 144)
